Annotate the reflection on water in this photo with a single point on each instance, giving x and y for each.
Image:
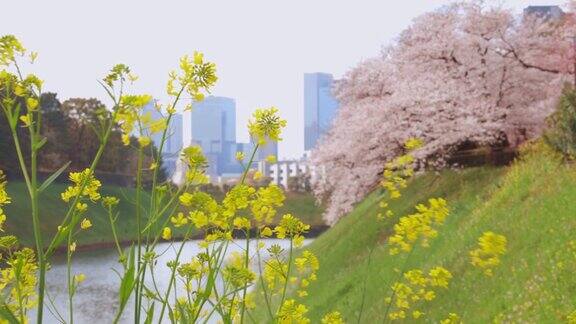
(96, 298)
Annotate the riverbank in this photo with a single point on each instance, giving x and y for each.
(53, 209)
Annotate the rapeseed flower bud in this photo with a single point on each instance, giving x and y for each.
(110, 201)
(4, 199)
(79, 278)
(166, 233)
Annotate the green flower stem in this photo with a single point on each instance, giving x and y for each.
(212, 273)
(114, 234)
(287, 275)
(247, 256)
(266, 298)
(138, 297)
(69, 279)
(171, 282)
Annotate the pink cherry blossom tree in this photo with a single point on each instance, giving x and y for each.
(465, 73)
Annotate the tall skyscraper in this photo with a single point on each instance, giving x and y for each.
(173, 143)
(213, 127)
(319, 107)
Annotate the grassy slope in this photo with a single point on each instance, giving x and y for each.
(531, 203)
(53, 210)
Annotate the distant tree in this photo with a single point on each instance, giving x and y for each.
(299, 183)
(55, 127)
(464, 73)
(85, 119)
(71, 128)
(561, 132)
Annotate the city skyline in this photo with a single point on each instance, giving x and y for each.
(249, 58)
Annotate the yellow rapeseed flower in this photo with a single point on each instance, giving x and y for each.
(144, 141)
(166, 233)
(257, 175)
(413, 143)
(25, 119)
(90, 190)
(85, 224)
(179, 220)
(79, 278)
(125, 139)
(292, 312)
(452, 318)
(332, 318)
(487, 256)
(241, 223)
(266, 125)
(32, 104)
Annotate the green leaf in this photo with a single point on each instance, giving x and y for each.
(149, 315)
(39, 145)
(14, 117)
(53, 177)
(61, 235)
(127, 283)
(6, 314)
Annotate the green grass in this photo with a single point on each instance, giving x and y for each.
(532, 203)
(53, 209)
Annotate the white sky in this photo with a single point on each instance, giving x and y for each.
(261, 47)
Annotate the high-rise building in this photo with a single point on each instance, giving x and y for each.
(319, 107)
(213, 127)
(544, 12)
(173, 142)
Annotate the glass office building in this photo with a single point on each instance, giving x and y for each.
(213, 123)
(319, 107)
